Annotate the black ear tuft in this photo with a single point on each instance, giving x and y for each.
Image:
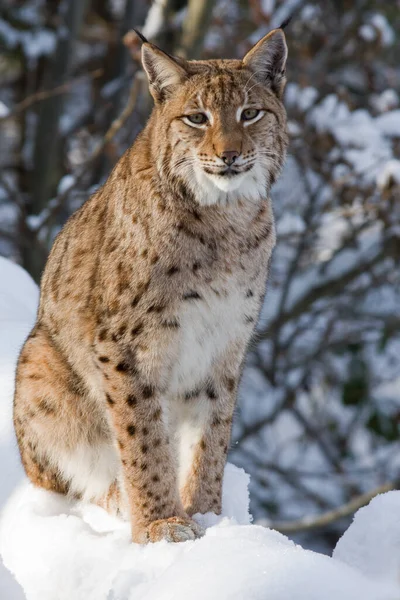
(141, 36)
(286, 22)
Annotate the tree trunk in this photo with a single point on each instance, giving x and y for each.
(46, 159)
(195, 27)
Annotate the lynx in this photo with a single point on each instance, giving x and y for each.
(126, 386)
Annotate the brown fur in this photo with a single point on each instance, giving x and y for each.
(99, 387)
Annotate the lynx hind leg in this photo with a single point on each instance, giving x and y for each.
(64, 442)
(115, 501)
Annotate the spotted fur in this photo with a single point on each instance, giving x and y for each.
(126, 386)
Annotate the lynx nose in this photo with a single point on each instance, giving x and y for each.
(229, 156)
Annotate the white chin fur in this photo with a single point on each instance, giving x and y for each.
(227, 184)
(212, 189)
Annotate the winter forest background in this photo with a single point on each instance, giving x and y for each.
(318, 419)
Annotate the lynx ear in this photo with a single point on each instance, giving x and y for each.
(163, 71)
(268, 60)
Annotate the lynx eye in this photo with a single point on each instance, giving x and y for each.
(249, 113)
(197, 118)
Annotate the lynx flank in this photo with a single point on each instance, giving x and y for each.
(127, 384)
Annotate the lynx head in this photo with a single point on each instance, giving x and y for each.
(220, 125)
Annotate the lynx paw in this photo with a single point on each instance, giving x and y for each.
(174, 529)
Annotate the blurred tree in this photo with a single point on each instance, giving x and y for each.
(318, 421)
(195, 27)
(47, 169)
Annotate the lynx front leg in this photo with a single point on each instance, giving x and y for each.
(202, 489)
(147, 455)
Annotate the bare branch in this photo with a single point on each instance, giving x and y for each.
(329, 517)
(44, 94)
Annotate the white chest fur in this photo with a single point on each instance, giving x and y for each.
(208, 326)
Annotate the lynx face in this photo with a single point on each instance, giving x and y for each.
(221, 123)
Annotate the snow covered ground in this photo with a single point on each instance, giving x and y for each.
(59, 550)
(18, 300)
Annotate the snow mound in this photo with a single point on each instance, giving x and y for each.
(372, 542)
(19, 297)
(61, 550)
(18, 301)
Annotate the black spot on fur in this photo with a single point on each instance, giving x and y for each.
(156, 308)
(136, 330)
(230, 384)
(192, 295)
(170, 324)
(148, 391)
(131, 400)
(102, 335)
(192, 394)
(122, 367)
(135, 301)
(210, 391)
(196, 266)
(121, 330)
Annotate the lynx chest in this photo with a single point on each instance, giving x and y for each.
(216, 319)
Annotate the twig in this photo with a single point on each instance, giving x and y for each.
(307, 523)
(44, 94)
(118, 123)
